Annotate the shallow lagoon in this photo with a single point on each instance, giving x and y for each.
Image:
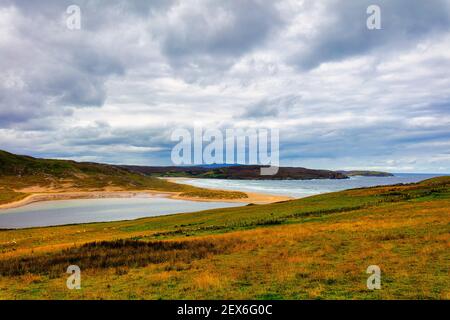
(61, 212)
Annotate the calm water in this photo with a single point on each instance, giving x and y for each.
(52, 213)
(304, 188)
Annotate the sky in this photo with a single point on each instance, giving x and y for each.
(341, 95)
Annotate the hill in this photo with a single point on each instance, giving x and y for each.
(242, 172)
(312, 248)
(366, 173)
(19, 174)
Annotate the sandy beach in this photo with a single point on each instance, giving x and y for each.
(53, 196)
(252, 197)
(257, 198)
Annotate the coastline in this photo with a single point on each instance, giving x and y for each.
(38, 194)
(257, 198)
(252, 197)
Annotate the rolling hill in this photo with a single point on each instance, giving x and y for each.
(242, 172)
(19, 174)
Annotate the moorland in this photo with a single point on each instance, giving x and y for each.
(312, 248)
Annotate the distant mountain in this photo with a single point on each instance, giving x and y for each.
(243, 172)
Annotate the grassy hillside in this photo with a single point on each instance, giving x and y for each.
(251, 172)
(366, 173)
(242, 172)
(23, 171)
(314, 248)
(20, 172)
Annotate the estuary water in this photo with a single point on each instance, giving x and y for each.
(61, 212)
(305, 188)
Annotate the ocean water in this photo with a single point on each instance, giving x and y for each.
(61, 212)
(305, 188)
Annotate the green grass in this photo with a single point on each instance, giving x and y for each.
(313, 248)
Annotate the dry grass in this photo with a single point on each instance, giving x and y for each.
(119, 254)
(206, 281)
(7, 195)
(319, 248)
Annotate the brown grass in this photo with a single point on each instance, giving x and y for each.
(119, 254)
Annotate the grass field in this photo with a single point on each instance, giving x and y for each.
(312, 248)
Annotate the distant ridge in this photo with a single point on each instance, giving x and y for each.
(366, 173)
(243, 172)
(100, 175)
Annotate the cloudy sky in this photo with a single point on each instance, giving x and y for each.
(341, 95)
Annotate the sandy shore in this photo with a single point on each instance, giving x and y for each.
(53, 196)
(252, 197)
(257, 198)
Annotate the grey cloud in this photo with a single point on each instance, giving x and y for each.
(47, 68)
(343, 32)
(368, 142)
(103, 134)
(138, 69)
(95, 10)
(211, 35)
(271, 107)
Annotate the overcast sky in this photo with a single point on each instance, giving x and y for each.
(342, 96)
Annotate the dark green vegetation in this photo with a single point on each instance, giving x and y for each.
(316, 247)
(242, 172)
(366, 173)
(20, 172)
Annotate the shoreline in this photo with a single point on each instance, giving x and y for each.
(252, 197)
(73, 195)
(257, 198)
